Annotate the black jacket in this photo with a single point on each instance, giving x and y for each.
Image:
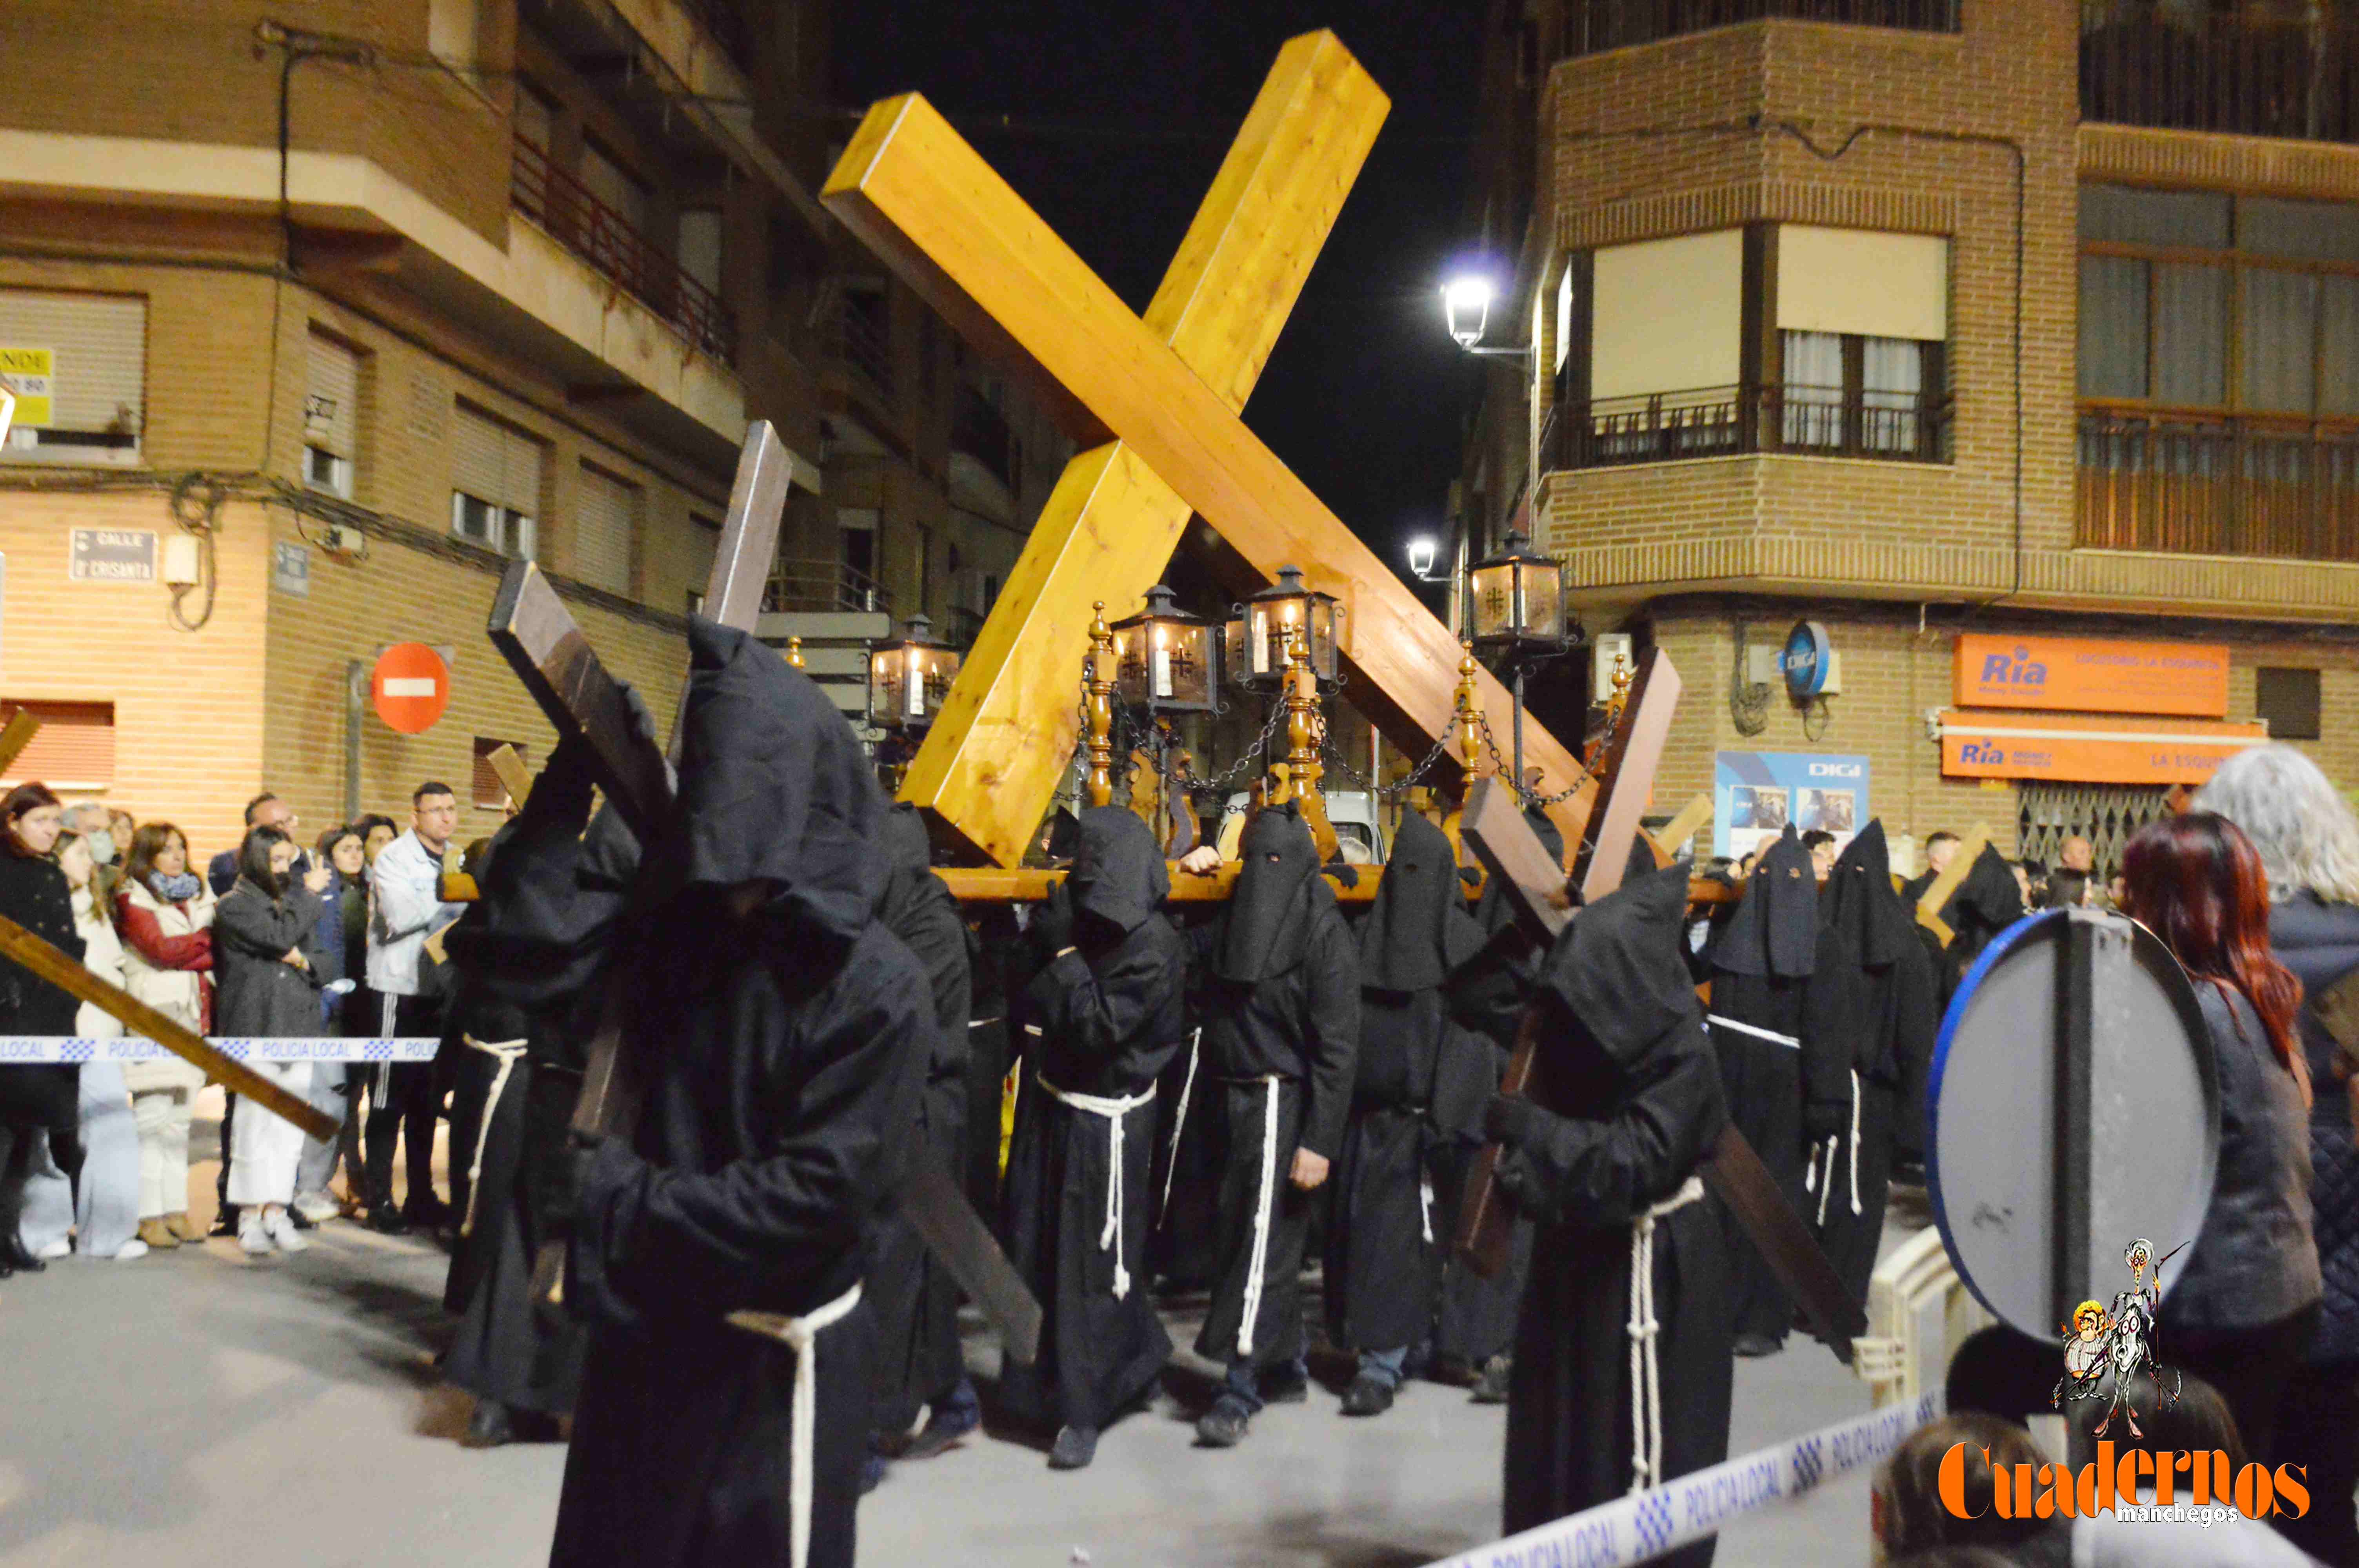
(262, 996)
(33, 893)
(2320, 943)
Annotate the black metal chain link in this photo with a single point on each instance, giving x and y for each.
(1588, 772)
(1408, 781)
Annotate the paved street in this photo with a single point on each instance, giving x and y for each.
(198, 1407)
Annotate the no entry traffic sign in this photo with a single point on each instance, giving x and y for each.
(410, 687)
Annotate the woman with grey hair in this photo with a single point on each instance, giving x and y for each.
(2308, 844)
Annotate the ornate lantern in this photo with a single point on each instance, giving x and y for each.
(1518, 601)
(1165, 658)
(908, 680)
(1257, 641)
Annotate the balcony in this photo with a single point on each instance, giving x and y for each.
(2218, 486)
(799, 586)
(1592, 27)
(601, 236)
(981, 431)
(2243, 75)
(1731, 421)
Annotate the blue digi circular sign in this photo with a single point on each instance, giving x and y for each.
(1808, 654)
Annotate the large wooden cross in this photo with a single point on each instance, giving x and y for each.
(1154, 402)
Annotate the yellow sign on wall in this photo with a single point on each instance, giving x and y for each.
(31, 374)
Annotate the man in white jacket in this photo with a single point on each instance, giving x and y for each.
(405, 908)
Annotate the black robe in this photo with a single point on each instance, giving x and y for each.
(44, 1098)
(990, 1047)
(1897, 1013)
(1629, 1050)
(1762, 979)
(1110, 1015)
(1986, 903)
(918, 1360)
(1421, 1077)
(528, 957)
(1281, 1018)
(787, 1045)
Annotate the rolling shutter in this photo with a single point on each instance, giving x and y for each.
(1667, 314)
(1860, 281)
(494, 463)
(74, 750)
(331, 401)
(606, 519)
(97, 346)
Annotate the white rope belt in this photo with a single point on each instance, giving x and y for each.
(505, 1052)
(1821, 1177)
(1755, 1030)
(1180, 1117)
(1261, 1216)
(800, 1335)
(1114, 1111)
(1645, 1371)
(1425, 1206)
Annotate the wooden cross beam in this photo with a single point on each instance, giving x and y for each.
(1168, 393)
(513, 776)
(1936, 893)
(17, 735)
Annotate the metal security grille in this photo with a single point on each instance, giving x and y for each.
(2105, 815)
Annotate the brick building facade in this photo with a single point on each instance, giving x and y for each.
(2012, 315)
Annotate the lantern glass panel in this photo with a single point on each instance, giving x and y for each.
(1542, 582)
(1494, 593)
(884, 690)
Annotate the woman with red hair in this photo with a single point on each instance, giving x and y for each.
(2245, 1298)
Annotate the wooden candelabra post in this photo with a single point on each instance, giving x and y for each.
(795, 652)
(1099, 709)
(1304, 725)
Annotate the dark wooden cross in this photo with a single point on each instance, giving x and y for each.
(1536, 892)
(534, 632)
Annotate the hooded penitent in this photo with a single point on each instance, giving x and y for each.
(1896, 1013)
(1422, 1075)
(1986, 903)
(1775, 929)
(785, 1040)
(1109, 1015)
(1608, 1168)
(1267, 923)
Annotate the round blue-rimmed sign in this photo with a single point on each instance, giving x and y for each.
(1809, 651)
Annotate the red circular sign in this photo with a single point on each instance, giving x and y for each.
(411, 686)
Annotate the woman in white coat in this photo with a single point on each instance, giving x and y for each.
(164, 916)
(103, 1209)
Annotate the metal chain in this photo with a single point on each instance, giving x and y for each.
(1505, 769)
(1260, 747)
(1408, 781)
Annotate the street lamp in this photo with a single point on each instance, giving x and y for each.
(909, 679)
(1165, 659)
(1466, 307)
(1422, 552)
(1518, 611)
(1256, 651)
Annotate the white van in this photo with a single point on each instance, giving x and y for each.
(1353, 812)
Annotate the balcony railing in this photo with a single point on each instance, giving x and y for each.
(1816, 421)
(812, 586)
(2248, 75)
(1593, 26)
(981, 431)
(2217, 487)
(603, 237)
(858, 340)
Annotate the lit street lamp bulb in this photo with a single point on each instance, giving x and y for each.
(1467, 302)
(1421, 555)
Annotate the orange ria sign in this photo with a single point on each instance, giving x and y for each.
(2088, 751)
(2091, 674)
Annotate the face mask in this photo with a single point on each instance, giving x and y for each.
(101, 848)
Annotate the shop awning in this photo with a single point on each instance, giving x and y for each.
(1981, 745)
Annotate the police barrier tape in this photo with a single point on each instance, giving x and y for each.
(1644, 1525)
(41, 1050)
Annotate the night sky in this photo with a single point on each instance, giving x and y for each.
(1111, 121)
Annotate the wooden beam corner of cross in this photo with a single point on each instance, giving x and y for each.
(1153, 400)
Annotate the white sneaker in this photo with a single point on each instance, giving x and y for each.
(279, 1226)
(131, 1251)
(251, 1235)
(60, 1248)
(317, 1208)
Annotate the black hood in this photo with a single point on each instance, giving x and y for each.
(1618, 971)
(1775, 930)
(907, 860)
(1118, 873)
(772, 787)
(1492, 911)
(1267, 923)
(1860, 903)
(1409, 943)
(1988, 900)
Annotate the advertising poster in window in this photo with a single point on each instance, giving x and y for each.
(1757, 794)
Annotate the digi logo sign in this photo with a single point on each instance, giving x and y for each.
(2018, 668)
(1838, 769)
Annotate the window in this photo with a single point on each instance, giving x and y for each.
(454, 32)
(2287, 701)
(925, 568)
(604, 174)
(496, 474)
(330, 414)
(605, 529)
(705, 546)
(74, 750)
(77, 365)
(535, 116)
(700, 246)
(489, 794)
(1864, 321)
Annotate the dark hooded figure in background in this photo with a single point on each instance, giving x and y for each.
(1850, 1120)
(1477, 1323)
(719, 1252)
(1596, 1407)
(918, 1362)
(1986, 903)
(530, 956)
(1280, 1008)
(1421, 1076)
(1761, 1019)
(1109, 1002)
